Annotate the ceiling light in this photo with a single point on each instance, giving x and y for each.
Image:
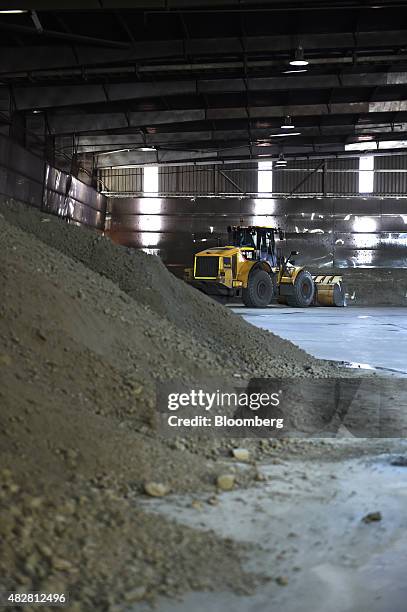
(365, 137)
(299, 59)
(285, 134)
(116, 151)
(146, 149)
(295, 71)
(281, 162)
(288, 124)
(361, 146)
(12, 11)
(36, 111)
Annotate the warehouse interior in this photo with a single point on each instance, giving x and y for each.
(132, 135)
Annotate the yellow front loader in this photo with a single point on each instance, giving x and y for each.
(252, 267)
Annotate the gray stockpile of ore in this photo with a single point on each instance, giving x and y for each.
(86, 329)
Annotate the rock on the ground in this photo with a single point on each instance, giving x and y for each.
(225, 482)
(156, 489)
(241, 454)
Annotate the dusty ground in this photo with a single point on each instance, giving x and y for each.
(327, 534)
(86, 329)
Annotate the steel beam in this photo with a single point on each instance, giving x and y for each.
(82, 122)
(32, 58)
(214, 141)
(199, 6)
(57, 95)
(75, 38)
(238, 155)
(130, 158)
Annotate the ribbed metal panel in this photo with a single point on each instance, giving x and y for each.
(187, 180)
(169, 180)
(244, 176)
(298, 177)
(121, 180)
(332, 177)
(208, 180)
(341, 176)
(388, 182)
(303, 177)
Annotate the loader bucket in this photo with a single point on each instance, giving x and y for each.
(329, 291)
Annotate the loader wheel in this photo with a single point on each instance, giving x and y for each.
(260, 290)
(304, 289)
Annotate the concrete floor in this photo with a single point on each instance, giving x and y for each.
(373, 337)
(305, 523)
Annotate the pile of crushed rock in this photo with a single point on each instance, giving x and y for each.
(169, 303)
(86, 328)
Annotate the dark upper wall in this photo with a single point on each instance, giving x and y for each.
(328, 232)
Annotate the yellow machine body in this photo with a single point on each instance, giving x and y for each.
(232, 268)
(228, 271)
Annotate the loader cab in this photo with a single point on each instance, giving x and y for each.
(266, 247)
(243, 237)
(259, 241)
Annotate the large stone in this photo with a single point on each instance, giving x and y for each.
(225, 482)
(156, 489)
(372, 517)
(241, 454)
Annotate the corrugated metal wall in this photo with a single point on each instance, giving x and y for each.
(391, 175)
(342, 176)
(331, 177)
(126, 180)
(304, 177)
(317, 177)
(187, 180)
(184, 180)
(242, 175)
(299, 177)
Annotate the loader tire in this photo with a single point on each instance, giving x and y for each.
(260, 290)
(304, 290)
